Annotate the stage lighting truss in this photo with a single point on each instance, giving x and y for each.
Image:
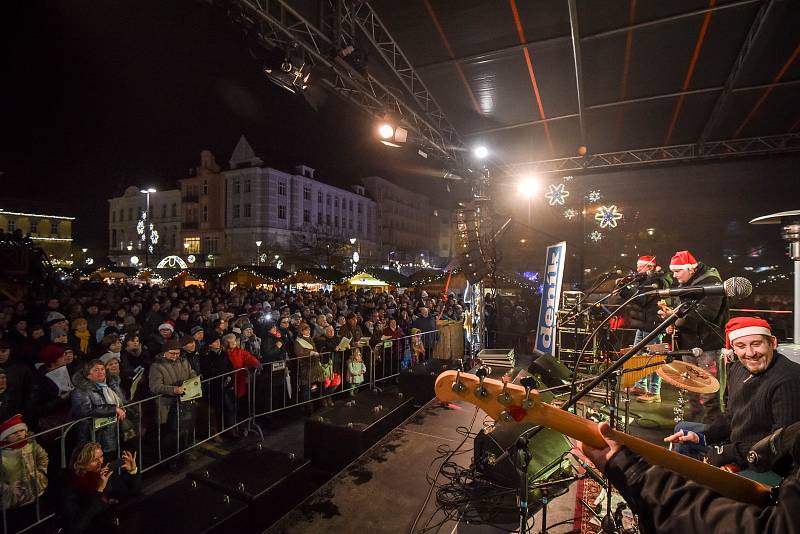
(288, 69)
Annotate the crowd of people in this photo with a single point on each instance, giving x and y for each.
(118, 362)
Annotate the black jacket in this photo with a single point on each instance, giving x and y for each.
(704, 326)
(79, 506)
(642, 312)
(666, 502)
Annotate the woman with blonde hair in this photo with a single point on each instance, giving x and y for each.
(95, 485)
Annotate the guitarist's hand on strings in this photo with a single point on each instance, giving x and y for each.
(683, 436)
(600, 457)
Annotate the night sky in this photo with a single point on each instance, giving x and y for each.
(101, 95)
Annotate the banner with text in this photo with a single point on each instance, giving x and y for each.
(551, 293)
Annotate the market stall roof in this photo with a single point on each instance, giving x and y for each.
(378, 277)
(311, 275)
(649, 74)
(273, 274)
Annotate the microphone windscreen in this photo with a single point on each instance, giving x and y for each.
(738, 287)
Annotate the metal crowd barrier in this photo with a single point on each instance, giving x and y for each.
(271, 388)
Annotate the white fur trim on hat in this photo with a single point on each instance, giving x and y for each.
(166, 326)
(748, 331)
(10, 430)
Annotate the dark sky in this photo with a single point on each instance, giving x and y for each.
(100, 95)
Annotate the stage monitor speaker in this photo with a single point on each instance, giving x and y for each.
(551, 371)
(547, 448)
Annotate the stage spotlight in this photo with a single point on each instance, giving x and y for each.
(528, 187)
(386, 131)
(480, 152)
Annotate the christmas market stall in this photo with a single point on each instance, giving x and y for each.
(186, 278)
(258, 277)
(376, 279)
(313, 279)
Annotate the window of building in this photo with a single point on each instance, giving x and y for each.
(281, 212)
(34, 227)
(113, 216)
(360, 208)
(306, 192)
(121, 215)
(247, 186)
(328, 219)
(113, 238)
(163, 211)
(236, 186)
(282, 188)
(319, 218)
(205, 213)
(174, 210)
(360, 225)
(336, 203)
(12, 225)
(351, 204)
(130, 214)
(236, 211)
(205, 187)
(210, 245)
(247, 212)
(54, 228)
(319, 197)
(350, 223)
(328, 200)
(191, 245)
(306, 216)
(336, 221)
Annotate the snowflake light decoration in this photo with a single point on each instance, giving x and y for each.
(596, 236)
(593, 196)
(556, 194)
(570, 213)
(568, 178)
(607, 216)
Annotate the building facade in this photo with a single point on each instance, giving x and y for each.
(51, 232)
(124, 213)
(410, 227)
(203, 212)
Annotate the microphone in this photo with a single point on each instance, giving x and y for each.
(765, 452)
(735, 287)
(678, 353)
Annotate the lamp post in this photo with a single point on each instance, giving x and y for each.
(258, 252)
(147, 232)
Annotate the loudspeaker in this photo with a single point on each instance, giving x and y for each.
(552, 372)
(417, 382)
(547, 449)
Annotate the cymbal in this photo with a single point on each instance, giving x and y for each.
(687, 376)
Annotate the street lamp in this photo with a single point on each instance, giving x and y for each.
(258, 252)
(147, 232)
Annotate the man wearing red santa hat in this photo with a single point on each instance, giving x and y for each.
(763, 396)
(702, 328)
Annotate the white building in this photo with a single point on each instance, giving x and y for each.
(124, 213)
(282, 209)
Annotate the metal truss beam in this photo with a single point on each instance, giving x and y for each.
(752, 36)
(278, 24)
(362, 15)
(576, 56)
(775, 144)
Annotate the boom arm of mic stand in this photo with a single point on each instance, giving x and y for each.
(572, 313)
(684, 308)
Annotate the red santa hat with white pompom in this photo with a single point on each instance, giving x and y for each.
(682, 259)
(648, 262)
(11, 425)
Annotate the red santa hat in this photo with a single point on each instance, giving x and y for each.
(14, 424)
(745, 326)
(682, 259)
(649, 261)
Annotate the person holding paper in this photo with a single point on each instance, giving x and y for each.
(166, 378)
(52, 387)
(309, 370)
(98, 395)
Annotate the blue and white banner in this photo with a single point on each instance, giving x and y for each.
(551, 295)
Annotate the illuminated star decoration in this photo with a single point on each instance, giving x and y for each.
(570, 213)
(593, 196)
(607, 216)
(596, 236)
(556, 194)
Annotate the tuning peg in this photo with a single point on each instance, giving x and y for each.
(480, 391)
(505, 416)
(504, 397)
(458, 385)
(527, 403)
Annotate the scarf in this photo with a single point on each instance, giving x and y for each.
(109, 395)
(83, 339)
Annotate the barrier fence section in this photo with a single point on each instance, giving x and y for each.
(163, 428)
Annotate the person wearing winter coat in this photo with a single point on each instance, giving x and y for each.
(93, 487)
(307, 364)
(98, 395)
(249, 341)
(240, 360)
(81, 339)
(52, 401)
(23, 473)
(166, 378)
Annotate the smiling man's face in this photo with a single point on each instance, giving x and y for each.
(755, 351)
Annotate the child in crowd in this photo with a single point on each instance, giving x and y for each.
(356, 369)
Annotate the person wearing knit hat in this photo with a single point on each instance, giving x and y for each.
(763, 391)
(703, 327)
(24, 471)
(58, 334)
